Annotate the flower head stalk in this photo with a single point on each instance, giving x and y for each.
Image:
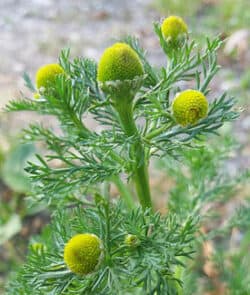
(120, 75)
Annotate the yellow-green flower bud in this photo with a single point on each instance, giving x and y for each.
(38, 247)
(119, 62)
(46, 76)
(37, 95)
(189, 106)
(83, 253)
(174, 30)
(132, 241)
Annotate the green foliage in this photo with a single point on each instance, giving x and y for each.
(16, 179)
(226, 15)
(176, 7)
(200, 177)
(245, 80)
(147, 269)
(109, 148)
(234, 13)
(14, 182)
(13, 168)
(233, 260)
(87, 161)
(201, 184)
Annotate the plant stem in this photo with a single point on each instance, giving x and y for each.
(124, 191)
(106, 190)
(140, 175)
(179, 273)
(156, 132)
(142, 186)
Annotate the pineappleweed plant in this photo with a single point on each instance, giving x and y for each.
(96, 244)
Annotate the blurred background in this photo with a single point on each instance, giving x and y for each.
(32, 33)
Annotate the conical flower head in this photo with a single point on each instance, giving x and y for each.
(83, 253)
(120, 72)
(119, 62)
(189, 106)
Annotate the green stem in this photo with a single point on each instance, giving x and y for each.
(124, 192)
(106, 190)
(116, 157)
(156, 132)
(108, 239)
(178, 274)
(140, 176)
(142, 186)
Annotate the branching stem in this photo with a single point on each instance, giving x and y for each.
(140, 176)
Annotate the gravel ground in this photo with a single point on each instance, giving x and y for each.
(33, 32)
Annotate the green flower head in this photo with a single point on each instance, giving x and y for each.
(189, 106)
(46, 76)
(83, 253)
(174, 30)
(119, 62)
(120, 73)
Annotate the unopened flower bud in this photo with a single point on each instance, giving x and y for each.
(132, 241)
